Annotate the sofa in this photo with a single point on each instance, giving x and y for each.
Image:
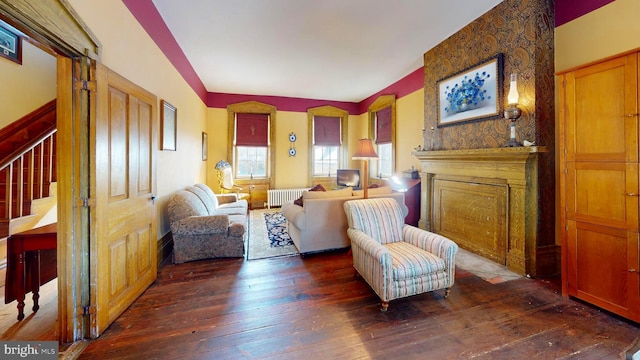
(320, 224)
(205, 225)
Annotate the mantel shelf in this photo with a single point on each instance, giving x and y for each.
(478, 154)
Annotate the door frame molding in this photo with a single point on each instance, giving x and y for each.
(57, 29)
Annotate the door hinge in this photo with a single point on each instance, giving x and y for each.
(85, 202)
(87, 310)
(86, 85)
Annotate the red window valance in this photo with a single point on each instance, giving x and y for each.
(252, 129)
(326, 131)
(383, 126)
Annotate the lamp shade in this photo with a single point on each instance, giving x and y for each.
(365, 150)
(513, 96)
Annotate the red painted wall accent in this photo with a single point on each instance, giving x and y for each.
(405, 86)
(567, 10)
(148, 16)
(221, 100)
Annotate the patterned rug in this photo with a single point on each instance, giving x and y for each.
(268, 236)
(277, 229)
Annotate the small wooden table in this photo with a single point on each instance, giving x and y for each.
(29, 265)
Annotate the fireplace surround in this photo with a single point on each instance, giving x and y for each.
(486, 200)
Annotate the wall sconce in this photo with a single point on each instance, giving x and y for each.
(365, 152)
(512, 112)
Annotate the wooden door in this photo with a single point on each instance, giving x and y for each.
(600, 185)
(125, 141)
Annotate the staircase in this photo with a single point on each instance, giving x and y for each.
(27, 174)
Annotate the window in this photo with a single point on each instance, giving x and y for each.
(250, 133)
(385, 156)
(252, 162)
(251, 144)
(327, 143)
(325, 160)
(382, 116)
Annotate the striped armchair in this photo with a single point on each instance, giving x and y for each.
(395, 259)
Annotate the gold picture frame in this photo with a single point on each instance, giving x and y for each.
(168, 126)
(205, 146)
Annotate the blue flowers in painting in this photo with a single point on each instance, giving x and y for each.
(468, 94)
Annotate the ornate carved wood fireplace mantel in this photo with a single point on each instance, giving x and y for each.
(486, 200)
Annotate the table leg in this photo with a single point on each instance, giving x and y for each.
(21, 285)
(35, 279)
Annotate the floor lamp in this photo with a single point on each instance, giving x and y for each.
(365, 152)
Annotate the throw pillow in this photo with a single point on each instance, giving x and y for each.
(319, 187)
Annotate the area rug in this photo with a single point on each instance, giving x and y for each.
(268, 236)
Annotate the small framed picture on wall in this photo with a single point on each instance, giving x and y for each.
(10, 45)
(205, 146)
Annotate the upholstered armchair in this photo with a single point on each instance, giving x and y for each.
(395, 259)
(226, 183)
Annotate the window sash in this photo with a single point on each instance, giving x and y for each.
(385, 155)
(326, 160)
(251, 162)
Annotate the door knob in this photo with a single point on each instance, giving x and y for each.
(153, 198)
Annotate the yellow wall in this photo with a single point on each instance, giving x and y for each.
(609, 30)
(130, 52)
(409, 124)
(26, 87)
(292, 172)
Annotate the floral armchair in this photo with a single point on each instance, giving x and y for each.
(395, 259)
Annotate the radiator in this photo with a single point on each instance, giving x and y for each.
(277, 197)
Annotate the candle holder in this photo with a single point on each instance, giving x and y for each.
(513, 112)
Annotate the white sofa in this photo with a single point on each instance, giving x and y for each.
(321, 223)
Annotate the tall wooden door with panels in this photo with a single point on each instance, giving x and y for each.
(599, 189)
(124, 263)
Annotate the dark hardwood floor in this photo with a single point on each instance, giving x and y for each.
(316, 308)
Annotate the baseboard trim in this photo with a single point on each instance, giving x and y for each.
(165, 249)
(548, 261)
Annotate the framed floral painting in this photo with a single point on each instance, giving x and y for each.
(472, 94)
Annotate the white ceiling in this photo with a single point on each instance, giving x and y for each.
(341, 50)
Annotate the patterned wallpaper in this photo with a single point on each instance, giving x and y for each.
(522, 30)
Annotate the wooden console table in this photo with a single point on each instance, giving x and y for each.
(29, 265)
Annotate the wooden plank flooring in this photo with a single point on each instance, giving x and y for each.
(317, 308)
